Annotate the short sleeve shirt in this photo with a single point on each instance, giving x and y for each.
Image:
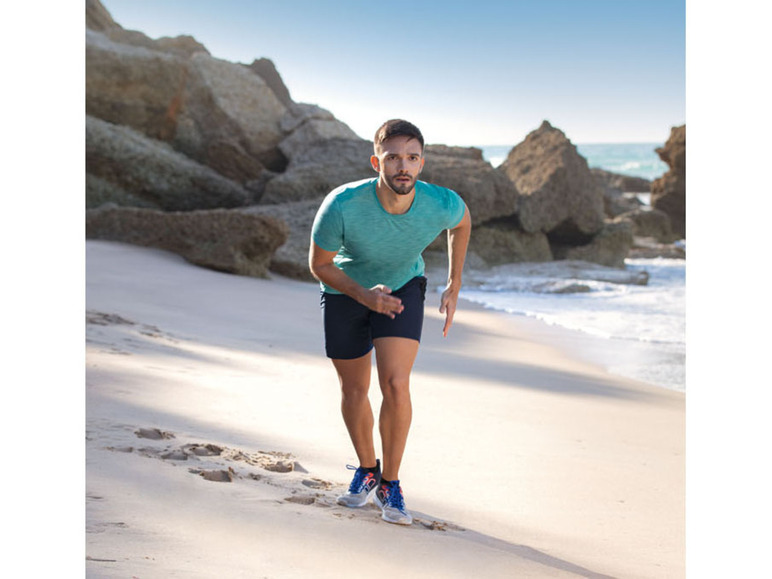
(374, 246)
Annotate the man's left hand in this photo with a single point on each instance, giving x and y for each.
(448, 307)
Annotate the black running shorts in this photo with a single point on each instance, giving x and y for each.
(350, 327)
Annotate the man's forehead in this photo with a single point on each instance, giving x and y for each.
(400, 144)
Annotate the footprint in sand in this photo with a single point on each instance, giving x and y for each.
(153, 434)
(214, 468)
(215, 475)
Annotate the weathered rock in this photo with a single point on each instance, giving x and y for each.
(244, 99)
(624, 183)
(313, 131)
(133, 85)
(291, 259)
(126, 167)
(609, 247)
(299, 113)
(229, 119)
(266, 69)
(615, 202)
(650, 223)
(219, 113)
(98, 18)
(318, 168)
(668, 193)
(220, 239)
(488, 193)
(183, 45)
(557, 190)
(619, 191)
(498, 245)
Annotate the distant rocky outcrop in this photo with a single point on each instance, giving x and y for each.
(558, 194)
(561, 200)
(620, 191)
(624, 183)
(668, 193)
(229, 241)
(214, 160)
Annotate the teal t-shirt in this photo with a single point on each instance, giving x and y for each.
(375, 246)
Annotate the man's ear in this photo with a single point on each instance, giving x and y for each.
(375, 163)
(421, 168)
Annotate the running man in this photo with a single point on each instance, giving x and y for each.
(366, 246)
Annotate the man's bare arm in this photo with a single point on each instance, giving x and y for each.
(458, 241)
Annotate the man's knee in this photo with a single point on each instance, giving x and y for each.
(396, 389)
(354, 390)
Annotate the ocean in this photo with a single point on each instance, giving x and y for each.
(637, 331)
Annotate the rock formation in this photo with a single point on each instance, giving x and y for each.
(214, 160)
(624, 183)
(668, 193)
(558, 194)
(220, 239)
(127, 167)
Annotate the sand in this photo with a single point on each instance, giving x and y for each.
(215, 447)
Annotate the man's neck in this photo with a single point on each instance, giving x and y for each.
(391, 201)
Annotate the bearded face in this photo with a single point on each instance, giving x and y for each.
(399, 161)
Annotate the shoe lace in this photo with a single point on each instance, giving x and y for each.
(358, 480)
(395, 498)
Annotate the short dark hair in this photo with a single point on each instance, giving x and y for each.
(397, 128)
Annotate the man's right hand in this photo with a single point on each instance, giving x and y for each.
(378, 299)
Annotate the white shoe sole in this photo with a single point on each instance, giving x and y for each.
(354, 501)
(394, 516)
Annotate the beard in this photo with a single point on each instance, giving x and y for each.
(403, 186)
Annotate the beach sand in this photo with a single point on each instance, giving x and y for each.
(215, 446)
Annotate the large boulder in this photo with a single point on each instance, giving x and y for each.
(499, 244)
(230, 104)
(488, 193)
(668, 193)
(319, 166)
(291, 259)
(558, 194)
(221, 114)
(128, 168)
(650, 223)
(220, 239)
(133, 85)
(609, 247)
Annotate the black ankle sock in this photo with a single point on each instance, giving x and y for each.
(374, 469)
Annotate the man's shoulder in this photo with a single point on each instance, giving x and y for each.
(434, 190)
(349, 190)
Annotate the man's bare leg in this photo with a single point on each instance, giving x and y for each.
(394, 359)
(354, 377)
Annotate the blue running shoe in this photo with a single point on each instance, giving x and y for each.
(389, 498)
(362, 486)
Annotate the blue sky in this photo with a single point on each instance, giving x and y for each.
(467, 73)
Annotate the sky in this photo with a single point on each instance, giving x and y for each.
(466, 73)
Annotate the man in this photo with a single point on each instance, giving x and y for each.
(366, 246)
